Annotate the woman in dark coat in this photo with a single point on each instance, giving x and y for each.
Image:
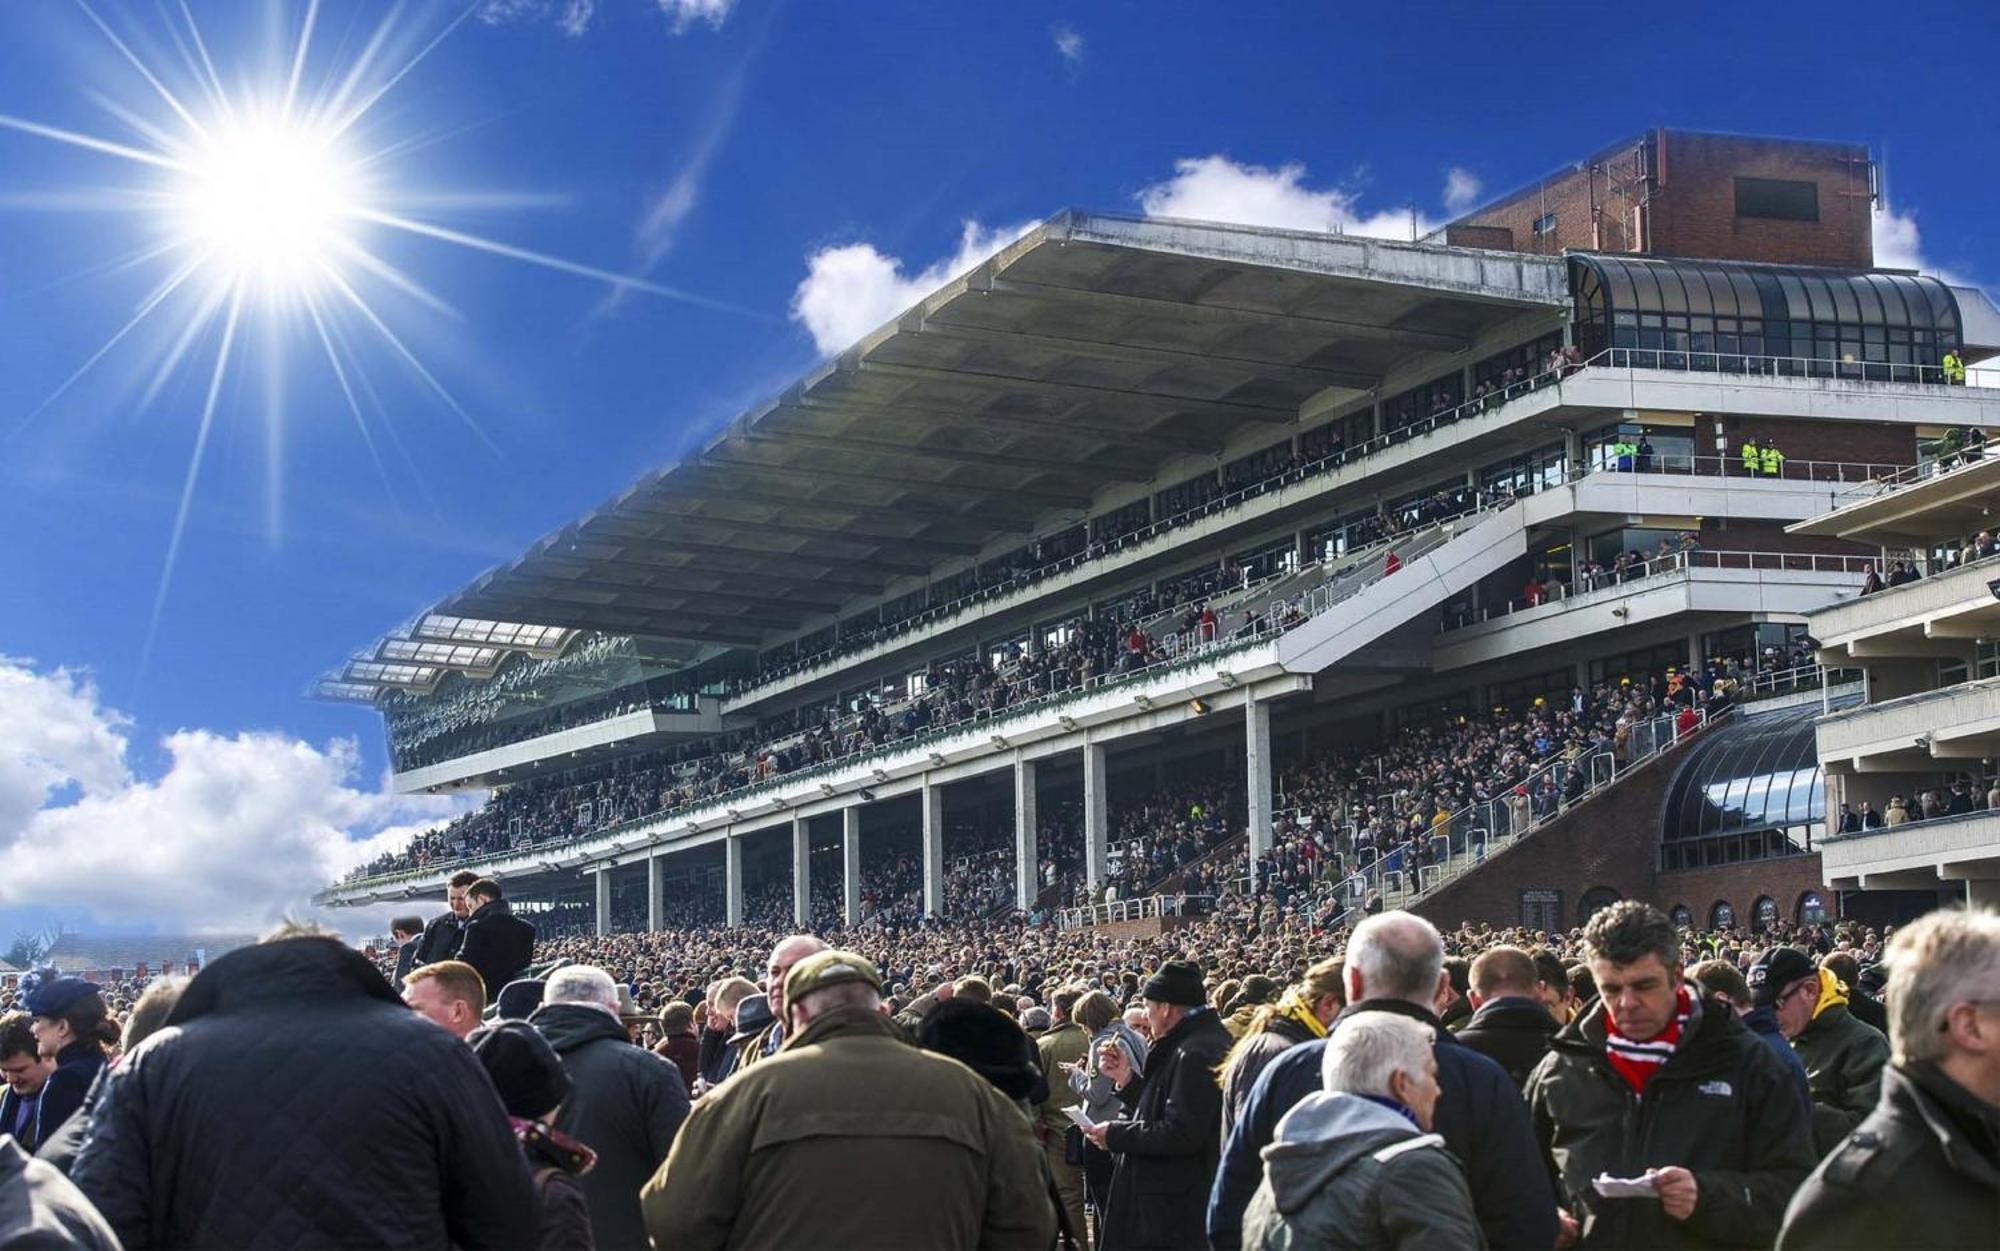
(73, 1028)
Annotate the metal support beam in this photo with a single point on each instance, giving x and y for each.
(624, 555)
(589, 593)
(603, 883)
(707, 586)
(1096, 818)
(872, 538)
(933, 848)
(1257, 752)
(1078, 391)
(1165, 358)
(732, 881)
(1153, 306)
(694, 486)
(951, 456)
(820, 473)
(1027, 878)
(624, 530)
(1057, 425)
(585, 617)
(850, 864)
(801, 872)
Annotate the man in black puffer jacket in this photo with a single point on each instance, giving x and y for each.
(497, 943)
(1508, 1025)
(293, 1101)
(625, 1103)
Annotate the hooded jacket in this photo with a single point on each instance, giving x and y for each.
(1844, 1060)
(1923, 1170)
(293, 1101)
(625, 1103)
(1347, 1172)
(1722, 1107)
(1479, 1113)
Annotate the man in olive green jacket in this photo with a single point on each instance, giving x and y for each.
(825, 1143)
(1065, 1043)
(1843, 1056)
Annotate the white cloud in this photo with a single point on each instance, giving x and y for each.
(1068, 43)
(686, 13)
(1900, 245)
(852, 289)
(1216, 188)
(1461, 189)
(235, 832)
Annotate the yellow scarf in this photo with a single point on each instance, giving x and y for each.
(1292, 1007)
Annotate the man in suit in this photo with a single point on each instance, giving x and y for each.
(498, 944)
(444, 934)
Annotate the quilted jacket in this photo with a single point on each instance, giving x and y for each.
(293, 1101)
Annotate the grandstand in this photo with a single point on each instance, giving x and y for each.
(1148, 552)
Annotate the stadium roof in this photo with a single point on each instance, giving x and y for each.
(1086, 354)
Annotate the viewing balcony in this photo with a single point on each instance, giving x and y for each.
(1940, 615)
(1952, 728)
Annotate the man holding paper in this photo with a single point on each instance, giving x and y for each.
(1666, 1123)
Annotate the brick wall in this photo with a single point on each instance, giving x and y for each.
(1691, 209)
(1612, 842)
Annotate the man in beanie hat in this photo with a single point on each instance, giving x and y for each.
(850, 1137)
(1167, 1142)
(529, 1076)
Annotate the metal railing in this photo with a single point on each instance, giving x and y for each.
(1744, 365)
(1142, 909)
(1853, 473)
(1648, 570)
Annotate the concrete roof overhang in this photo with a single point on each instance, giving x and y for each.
(1914, 514)
(1084, 355)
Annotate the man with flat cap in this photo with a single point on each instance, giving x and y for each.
(1167, 1143)
(850, 1137)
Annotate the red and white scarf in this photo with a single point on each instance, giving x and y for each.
(1636, 1062)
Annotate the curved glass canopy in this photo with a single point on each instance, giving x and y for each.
(1785, 312)
(1761, 773)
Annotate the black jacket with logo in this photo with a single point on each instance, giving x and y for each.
(1723, 1107)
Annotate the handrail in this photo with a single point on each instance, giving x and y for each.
(1654, 567)
(1161, 905)
(1751, 365)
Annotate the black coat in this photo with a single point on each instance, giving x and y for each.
(625, 1103)
(77, 1066)
(1920, 1171)
(441, 939)
(1167, 1144)
(1724, 1107)
(406, 960)
(498, 944)
(1512, 1032)
(293, 1101)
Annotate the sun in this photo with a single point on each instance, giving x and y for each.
(268, 204)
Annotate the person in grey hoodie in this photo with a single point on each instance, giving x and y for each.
(1356, 1166)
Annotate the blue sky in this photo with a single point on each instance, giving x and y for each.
(730, 151)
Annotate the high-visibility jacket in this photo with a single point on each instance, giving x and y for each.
(1774, 460)
(1750, 458)
(1954, 367)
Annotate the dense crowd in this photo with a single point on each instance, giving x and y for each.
(1244, 1080)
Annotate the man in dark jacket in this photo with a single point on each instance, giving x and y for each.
(497, 943)
(445, 932)
(625, 1103)
(292, 1100)
(26, 1072)
(1508, 1025)
(1166, 1142)
(1843, 1057)
(1923, 1170)
(1394, 963)
(1657, 1085)
(407, 933)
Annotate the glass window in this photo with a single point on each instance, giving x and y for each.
(1764, 913)
(1812, 908)
(1777, 199)
(1682, 917)
(1721, 916)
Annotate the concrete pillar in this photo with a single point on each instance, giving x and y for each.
(1982, 892)
(603, 877)
(933, 848)
(1257, 753)
(656, 903)
(850, 864)
(1096, 817)
(801, 872)
(1027, 879)
(732, 880)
